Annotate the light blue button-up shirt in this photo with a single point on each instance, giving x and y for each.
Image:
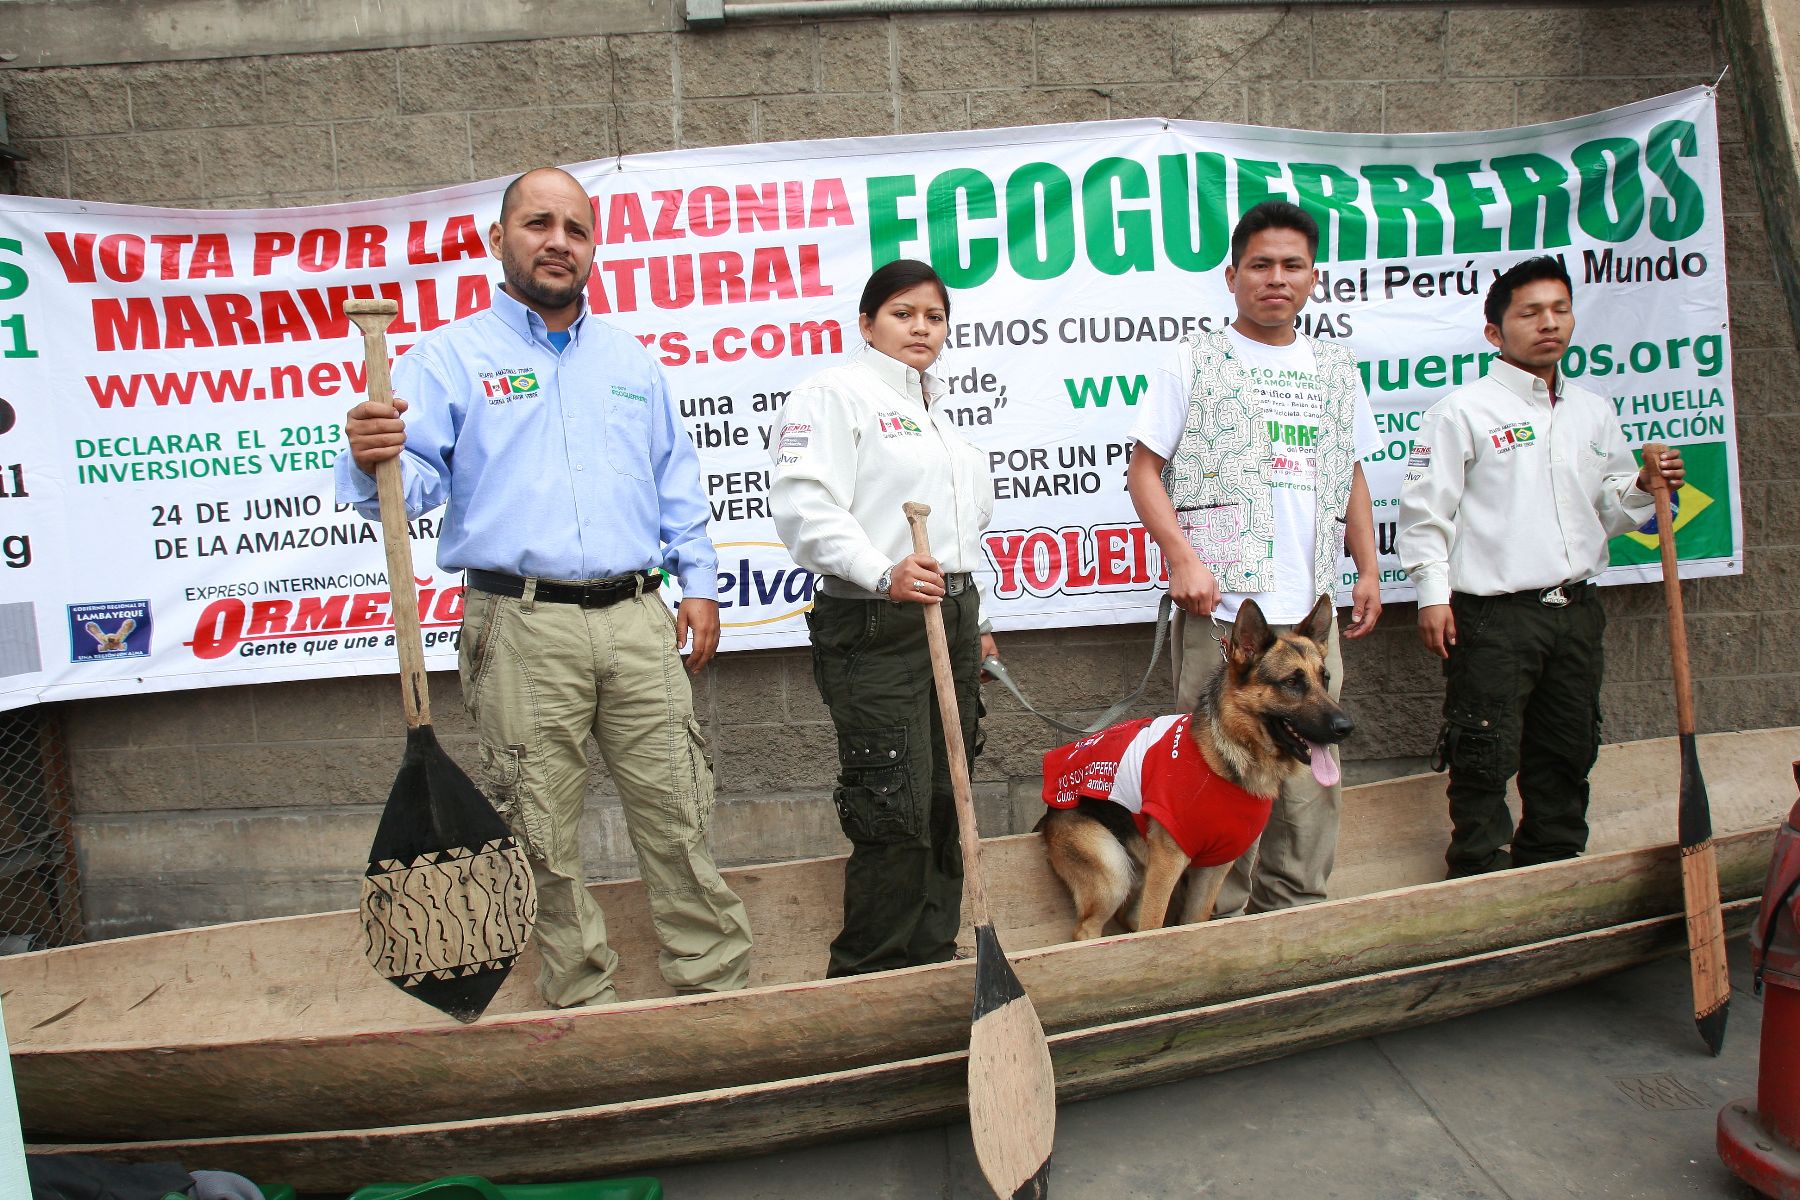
(559, 466)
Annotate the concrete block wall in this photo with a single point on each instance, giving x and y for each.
(241, 802)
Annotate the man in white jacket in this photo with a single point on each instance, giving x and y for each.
(1513, 487)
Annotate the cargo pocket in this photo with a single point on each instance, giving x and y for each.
(1589, 740)
(700, 760)
(502, 772)
(1470, 743)
(875, 800)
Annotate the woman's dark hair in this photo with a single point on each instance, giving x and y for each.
(901, 275)
(1499, 297)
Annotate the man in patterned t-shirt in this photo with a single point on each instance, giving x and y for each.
(1247, 472)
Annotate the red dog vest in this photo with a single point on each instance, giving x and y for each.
(1152, 767)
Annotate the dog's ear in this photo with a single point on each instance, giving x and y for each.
(1317, 625)
(1250, 635)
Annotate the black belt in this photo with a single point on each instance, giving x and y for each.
(955, 584)
(596, 593)
(1560, 596)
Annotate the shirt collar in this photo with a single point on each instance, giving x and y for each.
(1520, 382)
(908, 381)
(527, 324)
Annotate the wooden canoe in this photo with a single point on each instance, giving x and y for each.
(277, 1027)
(760, 1118)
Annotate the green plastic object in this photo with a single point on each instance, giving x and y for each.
(275, 1191)
(474, 1187)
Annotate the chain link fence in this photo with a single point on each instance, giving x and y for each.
(40, 893)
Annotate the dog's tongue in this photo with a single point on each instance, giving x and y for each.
(1324, 765)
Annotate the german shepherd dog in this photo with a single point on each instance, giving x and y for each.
(1265, 717)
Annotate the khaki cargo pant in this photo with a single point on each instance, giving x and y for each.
(537, 680)
(1290, 863)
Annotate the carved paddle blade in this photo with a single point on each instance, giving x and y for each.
(448, 900)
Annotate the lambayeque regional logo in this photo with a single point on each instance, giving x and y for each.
(114, 629)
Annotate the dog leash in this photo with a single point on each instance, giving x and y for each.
(993, 666)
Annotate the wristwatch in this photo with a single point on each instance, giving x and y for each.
(885, 582)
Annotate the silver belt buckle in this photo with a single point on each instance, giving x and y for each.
(1554, 597)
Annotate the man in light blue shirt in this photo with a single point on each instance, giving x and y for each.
(567, 480)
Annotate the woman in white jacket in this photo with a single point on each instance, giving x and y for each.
(856, 442)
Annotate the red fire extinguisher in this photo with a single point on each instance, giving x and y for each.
(1760, 1142)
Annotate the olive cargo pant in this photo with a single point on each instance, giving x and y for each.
(537, 679)
(1522, 697)
(903, 881)
(1292, 860)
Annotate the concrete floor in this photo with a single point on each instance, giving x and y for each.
(1599, 1091)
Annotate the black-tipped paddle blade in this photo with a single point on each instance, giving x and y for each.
(1012, 1087)
(448, 900)
(1712, 1028)
(1700, 891)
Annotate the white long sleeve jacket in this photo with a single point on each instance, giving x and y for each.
(855, 442)
(1505, 492)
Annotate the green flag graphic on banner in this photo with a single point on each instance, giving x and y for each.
(1702, 521)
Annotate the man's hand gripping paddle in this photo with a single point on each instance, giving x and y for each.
(448, 900)
(1012, 1088)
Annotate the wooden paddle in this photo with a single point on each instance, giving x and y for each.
(448, 900)
(1699, 864)
(1012, 1088)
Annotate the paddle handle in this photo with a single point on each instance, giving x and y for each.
(953, 738)
(1665, 536)
(373, 317)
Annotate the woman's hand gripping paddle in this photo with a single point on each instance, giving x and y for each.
(448, 900)
(1012, 1089)
(1699, 864)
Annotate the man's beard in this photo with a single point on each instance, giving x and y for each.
(525, 286)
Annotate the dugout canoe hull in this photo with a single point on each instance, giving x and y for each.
(784, 1114)
(279, 1027)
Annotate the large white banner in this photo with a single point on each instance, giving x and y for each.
(174, 382)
